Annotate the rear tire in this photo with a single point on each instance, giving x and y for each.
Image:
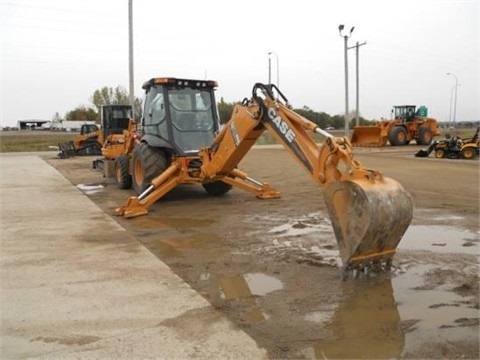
(425, 136)
(216, 188)
(397, 136)
(469, 153)
(148, 163)
(124, 179)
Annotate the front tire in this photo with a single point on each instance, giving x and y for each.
(397, 136)
(148, 163)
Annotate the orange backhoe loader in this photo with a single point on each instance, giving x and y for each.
(119, 130)
(114, 119)
(182, 143)
(408, 124)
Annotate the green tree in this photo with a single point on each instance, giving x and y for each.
(115, 96)
(83, 113)
(225, 111)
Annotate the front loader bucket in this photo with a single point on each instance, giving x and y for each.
(368, 136)
(67, 150)
(422, 153)
(369, 218)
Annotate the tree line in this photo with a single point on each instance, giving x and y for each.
(119, 96)
(104, 96)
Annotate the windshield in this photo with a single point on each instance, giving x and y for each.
(192, 116)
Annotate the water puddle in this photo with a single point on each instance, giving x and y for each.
(365, 325)
(91, 189)
(441, 239)
(386, 318)
(432, 309)
(248, 285)
(245, 288)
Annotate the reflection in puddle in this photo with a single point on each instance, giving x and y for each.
(250, 284)
(244, 287)
(383, 318)
(261, 284)
(364, 326)
(442, 239)
(254, 316)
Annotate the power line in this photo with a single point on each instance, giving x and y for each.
(67, 10)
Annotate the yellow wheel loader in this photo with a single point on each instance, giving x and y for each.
(408, 124)
(182, 143)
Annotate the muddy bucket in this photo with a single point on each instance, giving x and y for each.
(369, 218)
(372, 136)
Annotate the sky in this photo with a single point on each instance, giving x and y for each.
(56, 53)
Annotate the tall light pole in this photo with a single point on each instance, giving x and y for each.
(269, 70)
(345, 38)
(357, 93)
(455, 101)
(131, 95)
(278, 71)
(451, 101)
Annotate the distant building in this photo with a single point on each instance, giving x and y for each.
(71, 125)
(31, 124)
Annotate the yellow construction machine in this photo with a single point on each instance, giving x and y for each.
(92, 140)
(407, 124)
(119, 131)
(182, 143)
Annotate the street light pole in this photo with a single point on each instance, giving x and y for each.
(451, 101)
(357, 111)
(455, 101)
(269, 71)
(278, 68)
(345, 38)
(130, 54)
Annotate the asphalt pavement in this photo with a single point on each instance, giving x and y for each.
(75, 284)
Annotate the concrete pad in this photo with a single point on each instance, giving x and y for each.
(75, 284)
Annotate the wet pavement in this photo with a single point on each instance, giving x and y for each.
(74, 284)
(273, 270)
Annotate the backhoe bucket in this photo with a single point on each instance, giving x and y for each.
(369, 219)
(369, 136)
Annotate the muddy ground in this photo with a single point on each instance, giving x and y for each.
(272, 266)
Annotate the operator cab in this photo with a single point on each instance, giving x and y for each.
(405, 112)
(179, 114)
(115, 119)
(88, 129)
